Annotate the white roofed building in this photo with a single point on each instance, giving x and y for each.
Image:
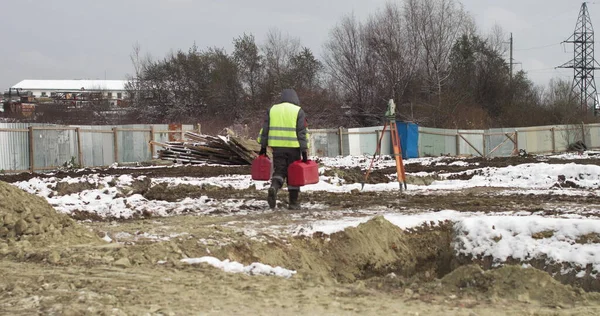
(111, 89)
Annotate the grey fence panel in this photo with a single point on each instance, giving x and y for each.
(54, 148)
(541, 139)
(498, 143)
(14, 147)
(326, 142)
(354, 148)
(345, 143)
(471, 143)
(436, 141)
(133, 146)
(567, 134)
(321, 143)
(593, 141)
(366, 138)
(363, 141)
(97, 146)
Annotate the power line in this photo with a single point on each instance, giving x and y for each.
(537, 47)
(541, 69)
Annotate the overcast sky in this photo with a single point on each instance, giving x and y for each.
(86, 39)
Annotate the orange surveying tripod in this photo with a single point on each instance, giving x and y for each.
(390, 115)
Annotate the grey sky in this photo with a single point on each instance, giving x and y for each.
(68, 39)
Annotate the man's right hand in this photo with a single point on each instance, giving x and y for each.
(263, 151)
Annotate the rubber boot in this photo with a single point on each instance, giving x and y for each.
(294, 204)
(272, 197)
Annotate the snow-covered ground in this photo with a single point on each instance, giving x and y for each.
(106, 200)
(511, 234)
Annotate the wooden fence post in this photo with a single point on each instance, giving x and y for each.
(341, 140)
(517, 141)
(31, 150)
(79, 148)
(115, 144)
(199, 127)
(151, 141)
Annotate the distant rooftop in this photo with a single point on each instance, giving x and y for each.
(71, 85)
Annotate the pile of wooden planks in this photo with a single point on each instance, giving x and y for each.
(199, 148)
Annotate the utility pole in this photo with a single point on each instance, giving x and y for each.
(511, 57)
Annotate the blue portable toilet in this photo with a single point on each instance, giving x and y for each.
(408, 133)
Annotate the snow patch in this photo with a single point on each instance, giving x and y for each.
(255, 268)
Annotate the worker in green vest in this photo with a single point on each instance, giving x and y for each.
(285, 131)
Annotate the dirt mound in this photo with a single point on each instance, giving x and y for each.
(374, 248)
(66, 188)
(28, 218)
(514, 283)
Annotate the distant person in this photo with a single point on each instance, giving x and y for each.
(285, 131)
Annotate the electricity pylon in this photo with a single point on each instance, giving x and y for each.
(583, 62)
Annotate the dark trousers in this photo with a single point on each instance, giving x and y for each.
(282, 159)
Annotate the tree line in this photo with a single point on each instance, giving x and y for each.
(427, 55)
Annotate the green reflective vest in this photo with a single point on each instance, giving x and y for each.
(282, 125)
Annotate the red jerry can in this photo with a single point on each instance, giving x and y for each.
(261, 168)
(302, 173)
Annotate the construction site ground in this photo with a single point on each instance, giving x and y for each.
(69, 267)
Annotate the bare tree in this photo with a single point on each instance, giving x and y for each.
(559, 99)
(496, 40)
(436, 25)
(396, 55)
(352, 69)
(279, 50)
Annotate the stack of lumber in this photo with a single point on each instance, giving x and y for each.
(199, 148)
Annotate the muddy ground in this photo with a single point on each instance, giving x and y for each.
(63, 266)
(213, 171)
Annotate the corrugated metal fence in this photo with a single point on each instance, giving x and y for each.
(37, 147)
(495, 142)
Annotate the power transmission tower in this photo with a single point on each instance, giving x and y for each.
(583, 62)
